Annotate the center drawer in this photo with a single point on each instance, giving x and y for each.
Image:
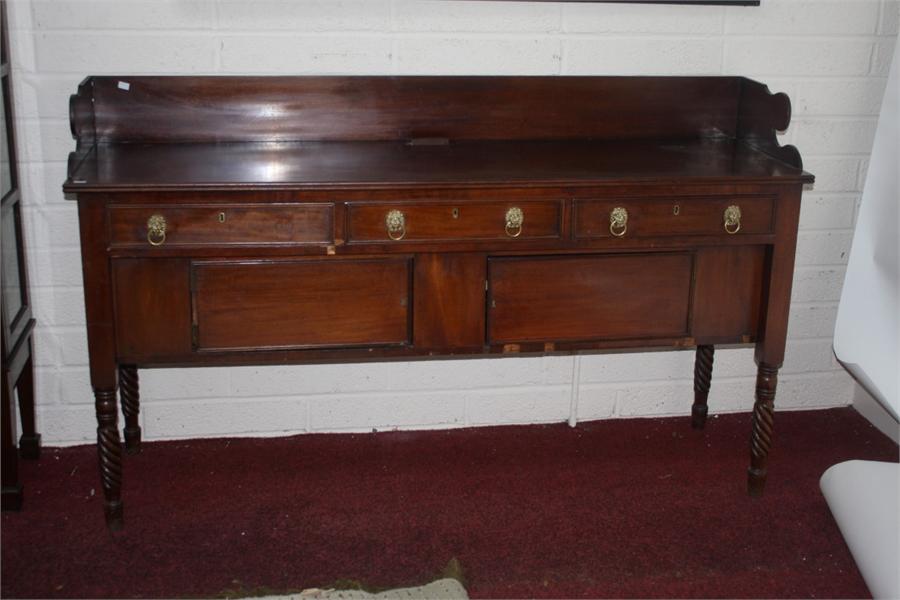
(454, 221)
(221, 224)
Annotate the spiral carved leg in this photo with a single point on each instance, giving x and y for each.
(131, 407)
(703, 364)
(110, 453)
(763, 421)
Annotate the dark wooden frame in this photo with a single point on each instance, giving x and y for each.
(17, 348)
(455, 155)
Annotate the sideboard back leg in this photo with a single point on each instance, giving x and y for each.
(703, 364)
(109, 449)
(131, 406)
(763, 420)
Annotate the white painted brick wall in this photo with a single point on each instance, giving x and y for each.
(830, 56)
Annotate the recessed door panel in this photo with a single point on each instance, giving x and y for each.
(280, 304)
(588, 297)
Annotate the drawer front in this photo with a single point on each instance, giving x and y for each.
(588, 297)
(448, 221)
(221, 224)
(282, 304)
(651, 217)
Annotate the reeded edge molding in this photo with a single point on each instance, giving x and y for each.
(761, 114)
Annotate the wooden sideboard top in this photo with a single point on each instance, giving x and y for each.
(336, 165)
(170, 133)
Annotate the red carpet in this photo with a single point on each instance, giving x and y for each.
(636, 508)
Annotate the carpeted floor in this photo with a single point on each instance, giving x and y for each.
(625, 508)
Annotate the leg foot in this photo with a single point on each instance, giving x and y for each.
(30, 446)
(114, 517)
(109, 450)
(131, 407)
(703, 364)
(756, 482)
(762, 434)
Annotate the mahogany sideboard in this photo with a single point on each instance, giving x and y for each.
(261, 220)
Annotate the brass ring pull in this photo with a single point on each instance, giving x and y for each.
(395, 221)
(618, 221)
(156, 230)
(732, 219)
(514, 219)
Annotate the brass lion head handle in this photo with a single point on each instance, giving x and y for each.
(395, 222)
(156, 230)
(732, 218)
(618, 221)
(514, 220)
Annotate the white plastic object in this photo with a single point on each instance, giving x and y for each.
(864, 497)
(868, 322)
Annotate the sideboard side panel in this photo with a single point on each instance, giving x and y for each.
(779, 279)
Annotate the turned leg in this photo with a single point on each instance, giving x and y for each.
(110, 453)
(761, 437)
(101, 331)
(703, 364)
(30, 442)
(131, 407)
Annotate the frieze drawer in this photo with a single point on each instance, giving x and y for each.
(649, 217)
(449, 221)
(221, 224)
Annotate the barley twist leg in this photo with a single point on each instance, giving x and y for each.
(763, 424)
(703, 364)
(109, 450)
(131, 407)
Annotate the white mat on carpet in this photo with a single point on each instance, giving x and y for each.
(444, 589)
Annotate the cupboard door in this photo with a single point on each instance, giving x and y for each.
(282, 304)
(571, 298)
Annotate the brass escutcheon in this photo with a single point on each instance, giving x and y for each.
(221, 217)
(732, 218)
(156, 230)
(395, 221)
(514, 220)
(618, 221)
